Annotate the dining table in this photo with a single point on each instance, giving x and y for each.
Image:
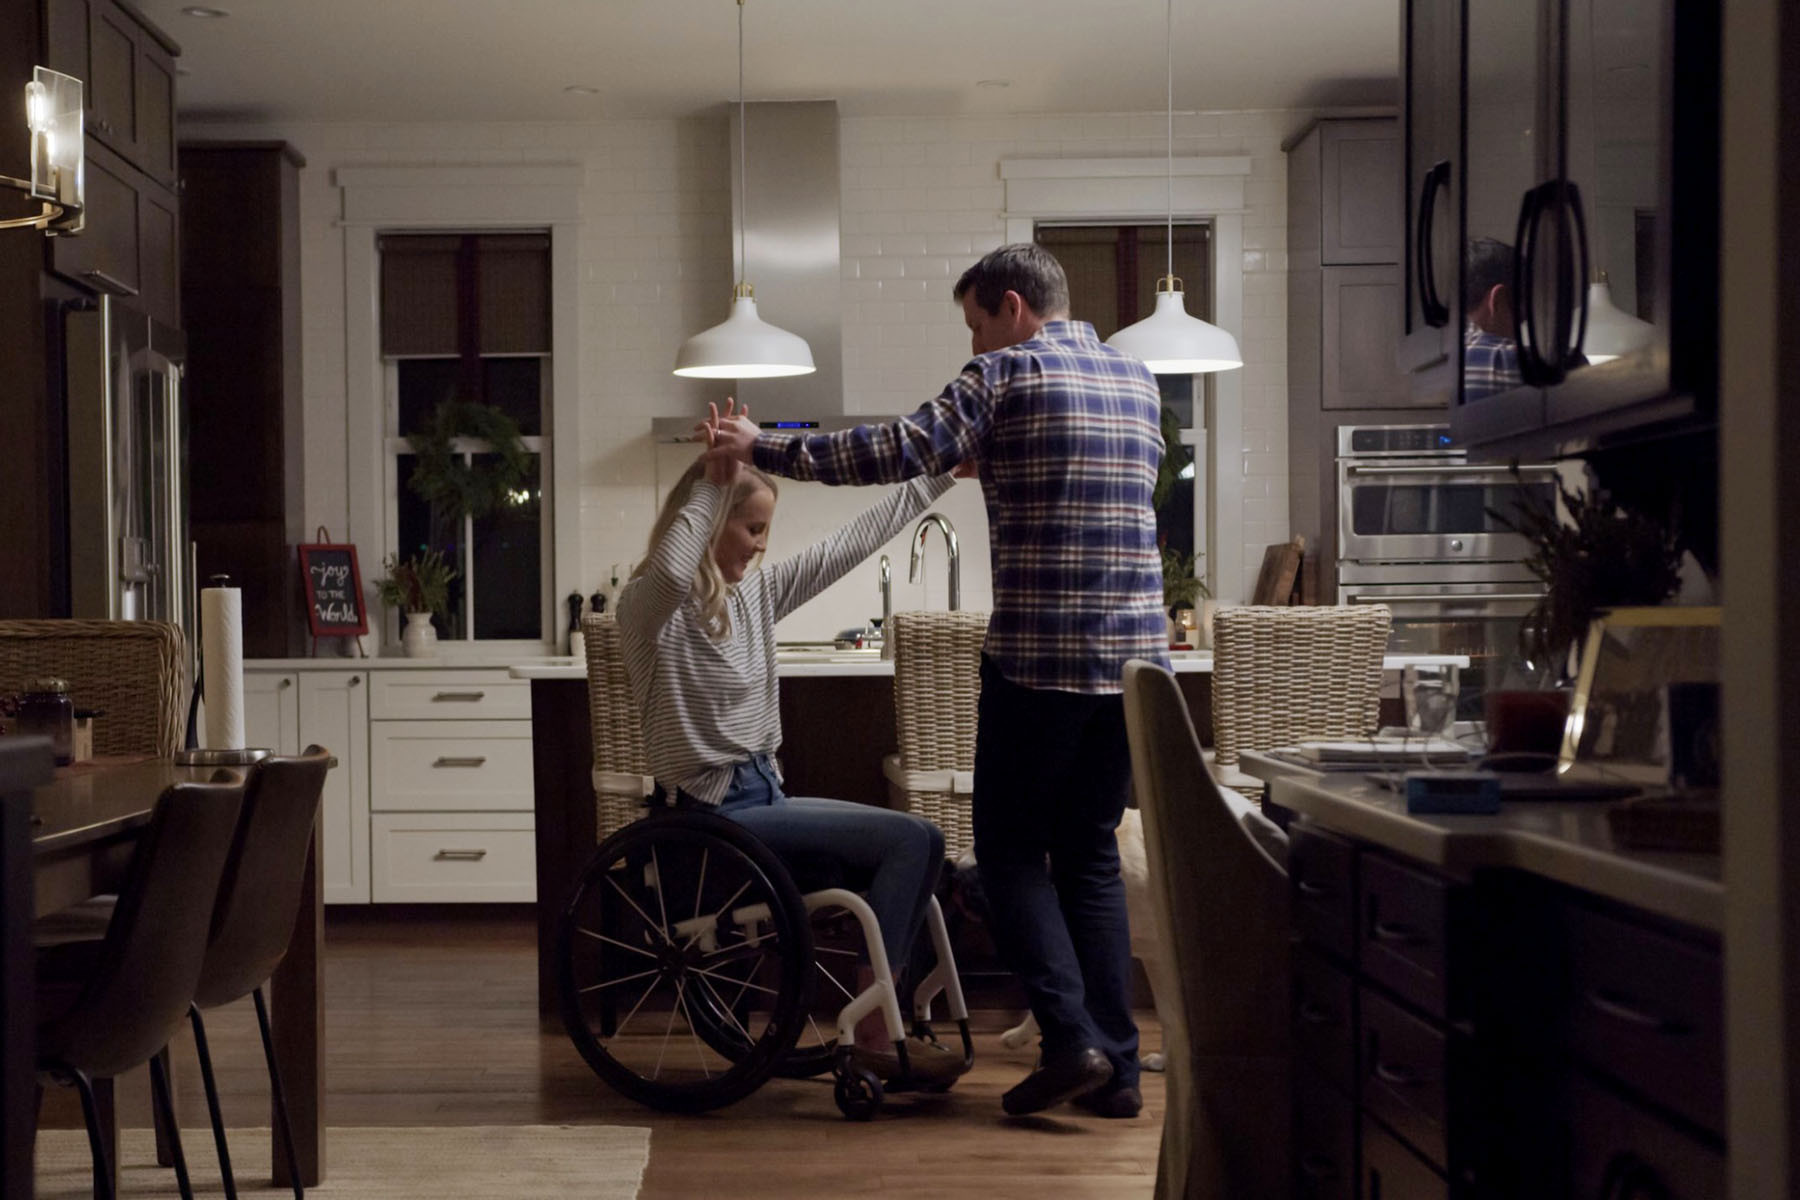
(81, 828)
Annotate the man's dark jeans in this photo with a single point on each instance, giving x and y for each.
(1052, 772)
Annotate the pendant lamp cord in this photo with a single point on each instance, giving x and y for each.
(1169, 76)
(743, 175)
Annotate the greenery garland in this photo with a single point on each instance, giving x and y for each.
(463, 487)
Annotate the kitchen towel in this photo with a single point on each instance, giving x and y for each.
(222, 666)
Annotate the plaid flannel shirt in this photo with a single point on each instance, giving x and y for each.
(1490, 364)
(1067, 434)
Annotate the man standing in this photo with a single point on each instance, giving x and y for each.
(1491, 334)
(1065, 435)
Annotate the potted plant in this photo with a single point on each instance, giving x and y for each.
(418, 586)
(1182, 590)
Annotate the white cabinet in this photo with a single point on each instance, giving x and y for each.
(334, 713)
(431, 800)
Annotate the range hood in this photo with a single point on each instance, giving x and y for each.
(794, 207)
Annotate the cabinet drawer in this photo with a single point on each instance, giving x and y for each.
(1403, 936)
(1392, 1172)
(450, 857)
(449, 695)
(1323, 870)
(1325, 1018)
(468, 766)
(1619, 1150)
(1404, 1072)
(1325, 1145)
(1647, 1009)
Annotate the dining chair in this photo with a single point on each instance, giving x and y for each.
(620, 775)
(254, 909)
(1218, 881)
(107, 1006)
(937, 685)
(1282, 675)
(131, 670)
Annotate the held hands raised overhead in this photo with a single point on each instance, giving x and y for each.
(722, 463)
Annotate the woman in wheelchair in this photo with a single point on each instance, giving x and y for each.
(697, 634)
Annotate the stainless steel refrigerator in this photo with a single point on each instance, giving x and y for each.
(130, 557)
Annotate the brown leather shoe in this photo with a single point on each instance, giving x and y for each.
(1114, 1103)
(1060, 1076)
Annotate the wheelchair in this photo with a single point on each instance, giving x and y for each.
(692, 969)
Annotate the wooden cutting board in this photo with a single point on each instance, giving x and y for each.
(1280, 565)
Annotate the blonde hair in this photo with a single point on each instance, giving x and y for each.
(709, 590)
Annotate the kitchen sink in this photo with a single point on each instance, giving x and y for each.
(814, 652)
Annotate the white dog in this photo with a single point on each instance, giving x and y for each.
(1134, 866)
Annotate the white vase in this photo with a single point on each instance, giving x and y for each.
(1203, 636)
(420, 636)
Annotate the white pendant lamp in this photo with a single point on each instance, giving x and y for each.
(1168, 340)
(743, 346)
(1611, 331)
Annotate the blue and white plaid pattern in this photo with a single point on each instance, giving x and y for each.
(1067, 433)
(1490, 364)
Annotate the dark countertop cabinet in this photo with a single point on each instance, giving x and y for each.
(1565, 151)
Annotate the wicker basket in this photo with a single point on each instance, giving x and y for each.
(621, 776)
(937, 682)
(131, 670)
(1281, 675)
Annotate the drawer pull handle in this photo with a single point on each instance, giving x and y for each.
(1312, 890)
(1396, 1076)
(1317, 1166)
(1621, 1010)
(1317, 1014)
(461, 855)
(474, 760)
(464, 696)
(1396, 934)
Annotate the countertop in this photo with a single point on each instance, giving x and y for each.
(791, 665)
(1568, 841)
(402, 663)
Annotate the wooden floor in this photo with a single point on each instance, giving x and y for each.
(431, 1020)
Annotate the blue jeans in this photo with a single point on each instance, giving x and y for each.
(894, 856)
(1052, 773)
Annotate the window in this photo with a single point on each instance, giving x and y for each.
(1113, 270)
(466, 318)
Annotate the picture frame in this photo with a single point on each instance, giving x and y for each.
(1620, 713)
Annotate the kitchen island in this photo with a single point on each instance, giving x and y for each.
(837, 719)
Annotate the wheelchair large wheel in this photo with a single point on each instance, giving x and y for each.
(685, 959)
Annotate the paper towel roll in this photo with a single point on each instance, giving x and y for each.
(222, 670)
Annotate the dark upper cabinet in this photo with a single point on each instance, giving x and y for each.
(1561, 176)
(1431, 191)
(127, 70)
(1359, 209)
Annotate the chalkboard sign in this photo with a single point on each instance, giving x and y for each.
(334, 598)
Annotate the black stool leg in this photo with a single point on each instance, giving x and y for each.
(212, 1101)
(159, 1095)
(275, 1092)
(90, 1111)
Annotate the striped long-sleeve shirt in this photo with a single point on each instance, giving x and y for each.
(707, 704)
(1067, 432)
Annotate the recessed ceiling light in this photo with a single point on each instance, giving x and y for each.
(581, 89)
(993, 83)
(200, 10)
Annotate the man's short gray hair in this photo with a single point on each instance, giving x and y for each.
(1023, 267)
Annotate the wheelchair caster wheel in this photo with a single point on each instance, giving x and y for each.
(858, 1094)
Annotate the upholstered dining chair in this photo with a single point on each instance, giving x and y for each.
(1218, 881)
(620, 775)
(107, 1006)
(133, 671)
(254, 908)
(937, 685)
(1282, 675)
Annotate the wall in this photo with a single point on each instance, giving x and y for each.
(921, 198)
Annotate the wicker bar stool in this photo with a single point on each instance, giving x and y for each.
(131, 670)
(1281, 675)
(621, 778)
(937, 682)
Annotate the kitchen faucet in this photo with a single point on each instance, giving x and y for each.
(887, 608)
(918, 550)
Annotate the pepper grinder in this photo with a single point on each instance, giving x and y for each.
(577, 643)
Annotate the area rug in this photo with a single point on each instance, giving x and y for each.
(480, 1162)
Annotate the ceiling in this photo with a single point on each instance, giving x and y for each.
(478, 60)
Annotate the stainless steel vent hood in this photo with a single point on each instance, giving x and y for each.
(794, 209)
